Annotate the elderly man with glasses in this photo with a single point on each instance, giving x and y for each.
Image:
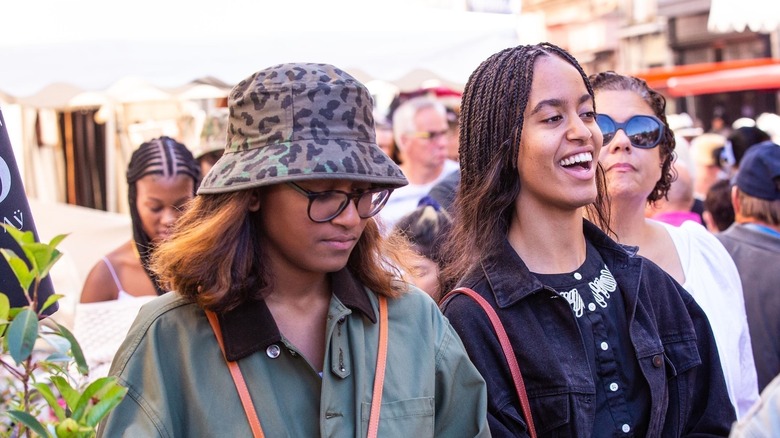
(422, 135)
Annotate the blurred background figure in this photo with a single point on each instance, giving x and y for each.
(426, 230)
(422, 134)
(718, 211)
(738, 142)
(384, 135)
(212, 140)
(676, 207)
(705, 151)
(452, 123)
(754, 243)
(162, 177)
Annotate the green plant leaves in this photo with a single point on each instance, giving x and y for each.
(5, 312)
(29, 421)
(22, 334)
(20, 328)
(23, 274)
(75, 349)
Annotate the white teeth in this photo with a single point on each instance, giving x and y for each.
(579, 158)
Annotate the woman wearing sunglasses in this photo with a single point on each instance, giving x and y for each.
(286, 321)
(637, 157)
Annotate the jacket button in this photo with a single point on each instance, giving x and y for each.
(658, 361)
(273, 351)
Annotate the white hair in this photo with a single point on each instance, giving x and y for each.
(403, 117)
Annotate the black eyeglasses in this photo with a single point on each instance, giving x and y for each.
(325, 206)
(644, 132)
(430, 135)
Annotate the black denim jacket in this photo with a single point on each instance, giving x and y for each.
(670, 333)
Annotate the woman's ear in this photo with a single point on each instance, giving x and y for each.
(254, 201)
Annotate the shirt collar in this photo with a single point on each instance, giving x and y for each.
(511, 280)
(251, 327)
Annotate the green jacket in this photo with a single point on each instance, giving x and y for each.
(180, 386)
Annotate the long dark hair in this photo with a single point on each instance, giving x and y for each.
(610, 80)
(491, 123)
(160, 156)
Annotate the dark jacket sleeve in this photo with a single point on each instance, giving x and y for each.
(473, 326)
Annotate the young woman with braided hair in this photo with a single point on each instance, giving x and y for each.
(608, 343)
(162, 177)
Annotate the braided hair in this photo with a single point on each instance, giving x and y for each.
(161, 156)
(609, 80)
(491, 124)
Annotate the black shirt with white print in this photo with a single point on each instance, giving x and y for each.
(622, 395)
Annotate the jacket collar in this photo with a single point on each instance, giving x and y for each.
(251, 327)
(511, 281)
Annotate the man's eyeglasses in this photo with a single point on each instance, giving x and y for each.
(325, 206)
(430, 135)
(644, 132)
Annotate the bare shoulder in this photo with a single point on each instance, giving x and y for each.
(100, 284)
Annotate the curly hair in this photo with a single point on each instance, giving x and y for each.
(491, 124)
(610, 80)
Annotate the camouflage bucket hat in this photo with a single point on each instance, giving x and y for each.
(294, 122)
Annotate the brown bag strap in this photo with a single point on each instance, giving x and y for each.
(509, 352)
(379, 377)
(238, 379)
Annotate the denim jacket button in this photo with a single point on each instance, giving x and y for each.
(658, 361)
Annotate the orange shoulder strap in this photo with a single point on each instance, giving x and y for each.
(379, 377)
(238, 379)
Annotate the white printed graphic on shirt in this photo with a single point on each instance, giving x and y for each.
(601, 288)
(574, 298)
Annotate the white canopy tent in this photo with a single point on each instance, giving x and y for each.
(91, 44)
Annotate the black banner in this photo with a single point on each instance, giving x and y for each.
(15, 211)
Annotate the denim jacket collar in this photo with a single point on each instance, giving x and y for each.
(251, 326)
(511, 280)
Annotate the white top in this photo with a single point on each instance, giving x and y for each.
(404, 200)
(711, 277)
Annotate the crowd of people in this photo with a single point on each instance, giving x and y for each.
(612, 278)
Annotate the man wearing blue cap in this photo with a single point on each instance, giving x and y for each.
(754, 243)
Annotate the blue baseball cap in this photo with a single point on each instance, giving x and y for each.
(759, 172)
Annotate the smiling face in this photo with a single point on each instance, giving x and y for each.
(632, 173)
(294, 244)
(160, 201)
(560, 140)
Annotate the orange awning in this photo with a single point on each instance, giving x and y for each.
(714, 77)
(749, 78)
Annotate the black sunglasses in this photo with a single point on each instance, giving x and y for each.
(325, 206)
(644, 132)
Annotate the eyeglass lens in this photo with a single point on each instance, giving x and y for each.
(327, 205)
(431, 135)
(643, 132)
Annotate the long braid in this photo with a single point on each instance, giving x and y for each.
(491, 123)
(161, 156)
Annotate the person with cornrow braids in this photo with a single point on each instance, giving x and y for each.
(607, 343)
(162, 177)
